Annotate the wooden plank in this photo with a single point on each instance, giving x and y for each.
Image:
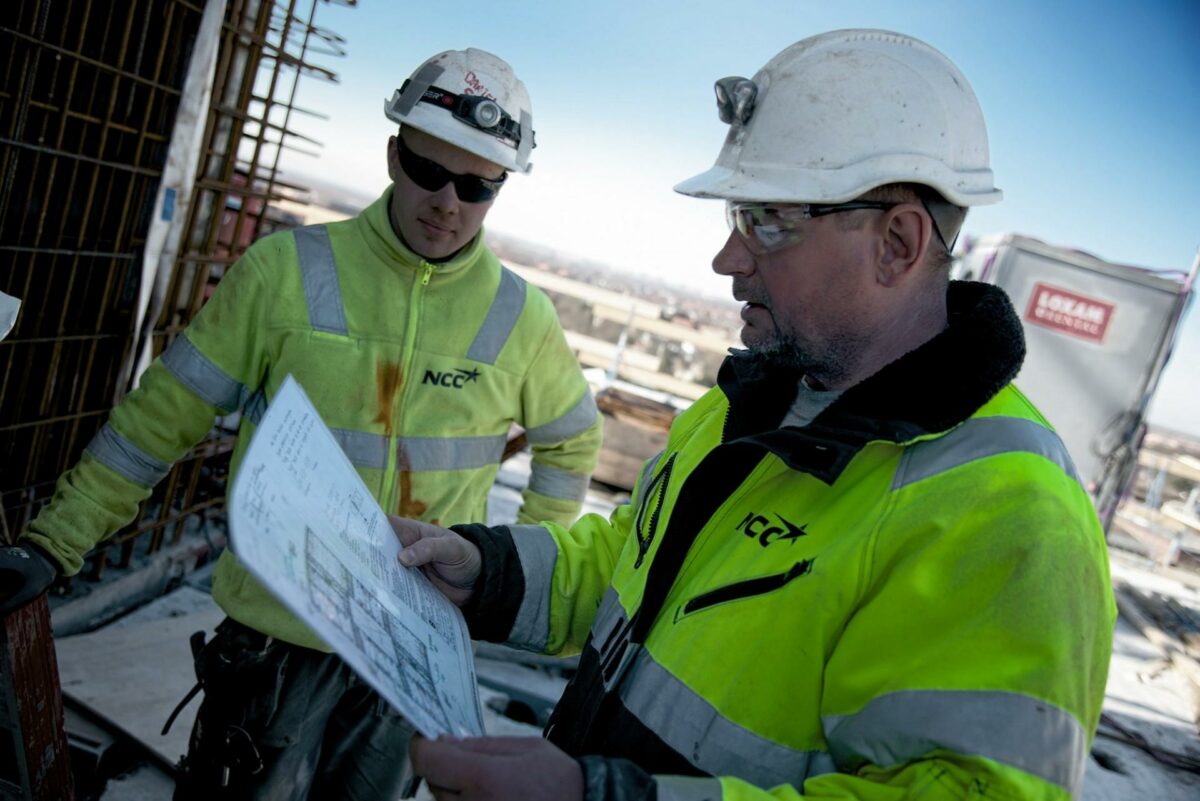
(133, 675)
(33, 705)
(627, 445)
(1186, 467)
(1180, 514)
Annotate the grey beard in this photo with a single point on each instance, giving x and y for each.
(829, 368)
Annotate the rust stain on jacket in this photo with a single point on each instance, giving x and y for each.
(409, 506)
(388, 380)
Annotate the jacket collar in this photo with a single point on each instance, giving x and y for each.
(376, 217)
(927, 391)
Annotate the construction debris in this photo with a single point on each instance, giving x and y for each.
(635, 429)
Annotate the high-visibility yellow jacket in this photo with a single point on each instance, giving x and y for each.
(907, 598)
(419, 369)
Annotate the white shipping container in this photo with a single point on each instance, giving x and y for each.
(1097, 336)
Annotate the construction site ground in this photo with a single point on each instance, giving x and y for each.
(121, 681)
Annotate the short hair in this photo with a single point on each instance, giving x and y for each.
(948, 223)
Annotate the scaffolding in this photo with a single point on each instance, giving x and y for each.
(88, 103)
(94, 106)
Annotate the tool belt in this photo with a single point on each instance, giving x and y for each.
(241, 673)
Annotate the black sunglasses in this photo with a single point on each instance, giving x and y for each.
(431, 176)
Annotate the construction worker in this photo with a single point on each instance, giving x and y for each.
(863, 567)
(420, 350)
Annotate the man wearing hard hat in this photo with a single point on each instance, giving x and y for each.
(420, 350)
(863, 567)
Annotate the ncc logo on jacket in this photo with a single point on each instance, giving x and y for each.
(455, 379)
(756, 526)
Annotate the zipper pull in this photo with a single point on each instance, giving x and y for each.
(643, 548)
(425, 277)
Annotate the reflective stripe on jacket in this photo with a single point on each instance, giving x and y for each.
(865, 604)
(420, 369)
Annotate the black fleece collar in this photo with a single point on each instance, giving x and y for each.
(928, 390)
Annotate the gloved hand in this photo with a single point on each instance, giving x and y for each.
(25, 573)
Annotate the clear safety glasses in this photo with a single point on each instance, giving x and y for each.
(769, 227)
(431, 176)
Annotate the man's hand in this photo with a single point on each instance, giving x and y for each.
(25, 573)
(496, 769)
(450, 562)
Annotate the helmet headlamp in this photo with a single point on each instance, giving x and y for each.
(477, 111)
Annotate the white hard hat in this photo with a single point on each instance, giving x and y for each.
(473, 100)
(838, 114)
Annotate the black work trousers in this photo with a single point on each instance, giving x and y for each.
(281, 723)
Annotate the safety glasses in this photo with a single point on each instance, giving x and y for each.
(767, 227)
(431, 176)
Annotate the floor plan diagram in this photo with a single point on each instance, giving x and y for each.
(303, 522)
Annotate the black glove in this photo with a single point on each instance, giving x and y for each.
(25, 573)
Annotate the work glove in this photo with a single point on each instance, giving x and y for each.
(25, 573)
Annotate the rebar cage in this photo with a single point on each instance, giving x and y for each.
(89, 98)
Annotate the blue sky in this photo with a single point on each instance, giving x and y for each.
(1093, 113)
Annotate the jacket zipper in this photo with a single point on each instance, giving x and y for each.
(659, 485)
(741, 590)
(410, 346)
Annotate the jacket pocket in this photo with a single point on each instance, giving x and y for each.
(741, 590)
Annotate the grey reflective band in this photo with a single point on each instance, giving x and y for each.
(417, 85)
(979, 438)
(555, 483)
(318, 271)
(369, 450)
(687, 788)
(501, 318)
(610, 639)
(117, 453)
(1013, 729)
(451, 453)
(363, 449)
(610, 616)
(197, 372)
(644, 477)
(714, 744)
(526, 144)
(577, 420)
(256, 407)
(537, 552)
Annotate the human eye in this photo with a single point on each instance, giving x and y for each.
(774, 227)
(770, 235)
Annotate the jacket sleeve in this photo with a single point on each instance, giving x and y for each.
(564, 429)
(208, 370)
(989, 607)
(540, 585)
(975, 664)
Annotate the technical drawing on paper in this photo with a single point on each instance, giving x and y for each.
(304, 524)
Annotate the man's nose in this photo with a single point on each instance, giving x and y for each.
(734, 258)
(446, 199)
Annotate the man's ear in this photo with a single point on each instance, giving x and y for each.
(393, 158)
(906, 240)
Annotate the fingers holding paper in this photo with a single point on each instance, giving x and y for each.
(497, 769)
(451, 563)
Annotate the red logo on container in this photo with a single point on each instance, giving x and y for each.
(1068, 312)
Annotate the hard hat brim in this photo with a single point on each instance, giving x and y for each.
(832, 186)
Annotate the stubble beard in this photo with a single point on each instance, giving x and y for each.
(830, 364)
